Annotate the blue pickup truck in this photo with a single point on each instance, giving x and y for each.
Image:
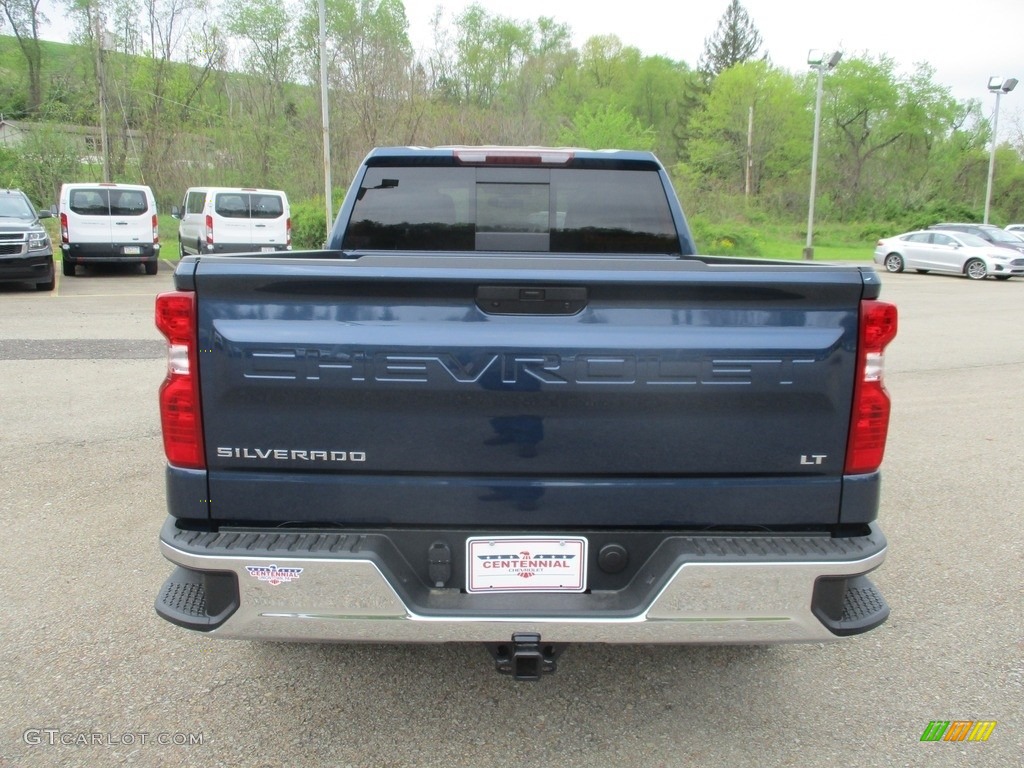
(509, 403)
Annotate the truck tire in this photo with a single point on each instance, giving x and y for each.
(67, 267)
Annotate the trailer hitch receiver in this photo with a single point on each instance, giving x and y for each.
(526, 657)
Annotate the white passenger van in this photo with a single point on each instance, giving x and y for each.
(233, 220)
(108, 223)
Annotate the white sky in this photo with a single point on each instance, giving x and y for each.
(966, 43)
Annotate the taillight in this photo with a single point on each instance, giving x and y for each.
(64, 228)
(869, 422)
(209, 229)
(288, 232)
(156, 230)
(180, 414)
(512, 156)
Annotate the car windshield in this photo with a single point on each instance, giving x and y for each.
(12, 207)
(972, 240)
(999, 236)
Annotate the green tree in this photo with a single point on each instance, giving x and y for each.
(376, 92)
(45, 158)
(880, 131)
(260, 142)
(753, 111)
(25, 17)
(490, 53)
(657, 96)
(606, 127)
(735, 41)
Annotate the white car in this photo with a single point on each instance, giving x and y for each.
(947, 251)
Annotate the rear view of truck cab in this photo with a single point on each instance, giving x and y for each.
(512, 405)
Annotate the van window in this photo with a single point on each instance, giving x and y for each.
(231, 206)
(108, 202)
(128, 202)
(266, 206)
(194, 202)
(89, 202)
(243, 205)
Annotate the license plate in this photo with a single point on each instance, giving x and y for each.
(132, 250)
(526, 564)
(267, 249)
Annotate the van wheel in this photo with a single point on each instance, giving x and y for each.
(152, 266)
(181, 250)
(67, 267)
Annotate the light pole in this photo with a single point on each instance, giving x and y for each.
(817, 60)
(325, 117)
(998, 86)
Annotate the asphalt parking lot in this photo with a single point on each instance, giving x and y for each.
(90, 676)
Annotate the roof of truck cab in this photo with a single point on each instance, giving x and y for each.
(454, 150)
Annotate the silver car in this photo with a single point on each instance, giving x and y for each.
(947, 251)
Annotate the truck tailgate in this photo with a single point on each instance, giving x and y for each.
(404, 388)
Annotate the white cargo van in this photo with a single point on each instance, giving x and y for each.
(108, 223)
(233, 220)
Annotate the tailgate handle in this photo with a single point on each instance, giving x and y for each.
(531, 299)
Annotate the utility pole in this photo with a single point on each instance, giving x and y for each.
(750, 151)
(324, 93)
(101, 82)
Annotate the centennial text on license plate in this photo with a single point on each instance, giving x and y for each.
(526, 564)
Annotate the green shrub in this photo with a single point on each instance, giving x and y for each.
(726, 238)
(309, 224)
(941, 212)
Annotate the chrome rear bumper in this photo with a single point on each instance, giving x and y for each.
(743, 590)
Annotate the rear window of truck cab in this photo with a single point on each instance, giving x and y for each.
(563, 210)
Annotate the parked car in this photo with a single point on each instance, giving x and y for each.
(928, 250)
(988, 232)
(108, 223)
(233, 220)
(26, 255)
(1016, 229)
